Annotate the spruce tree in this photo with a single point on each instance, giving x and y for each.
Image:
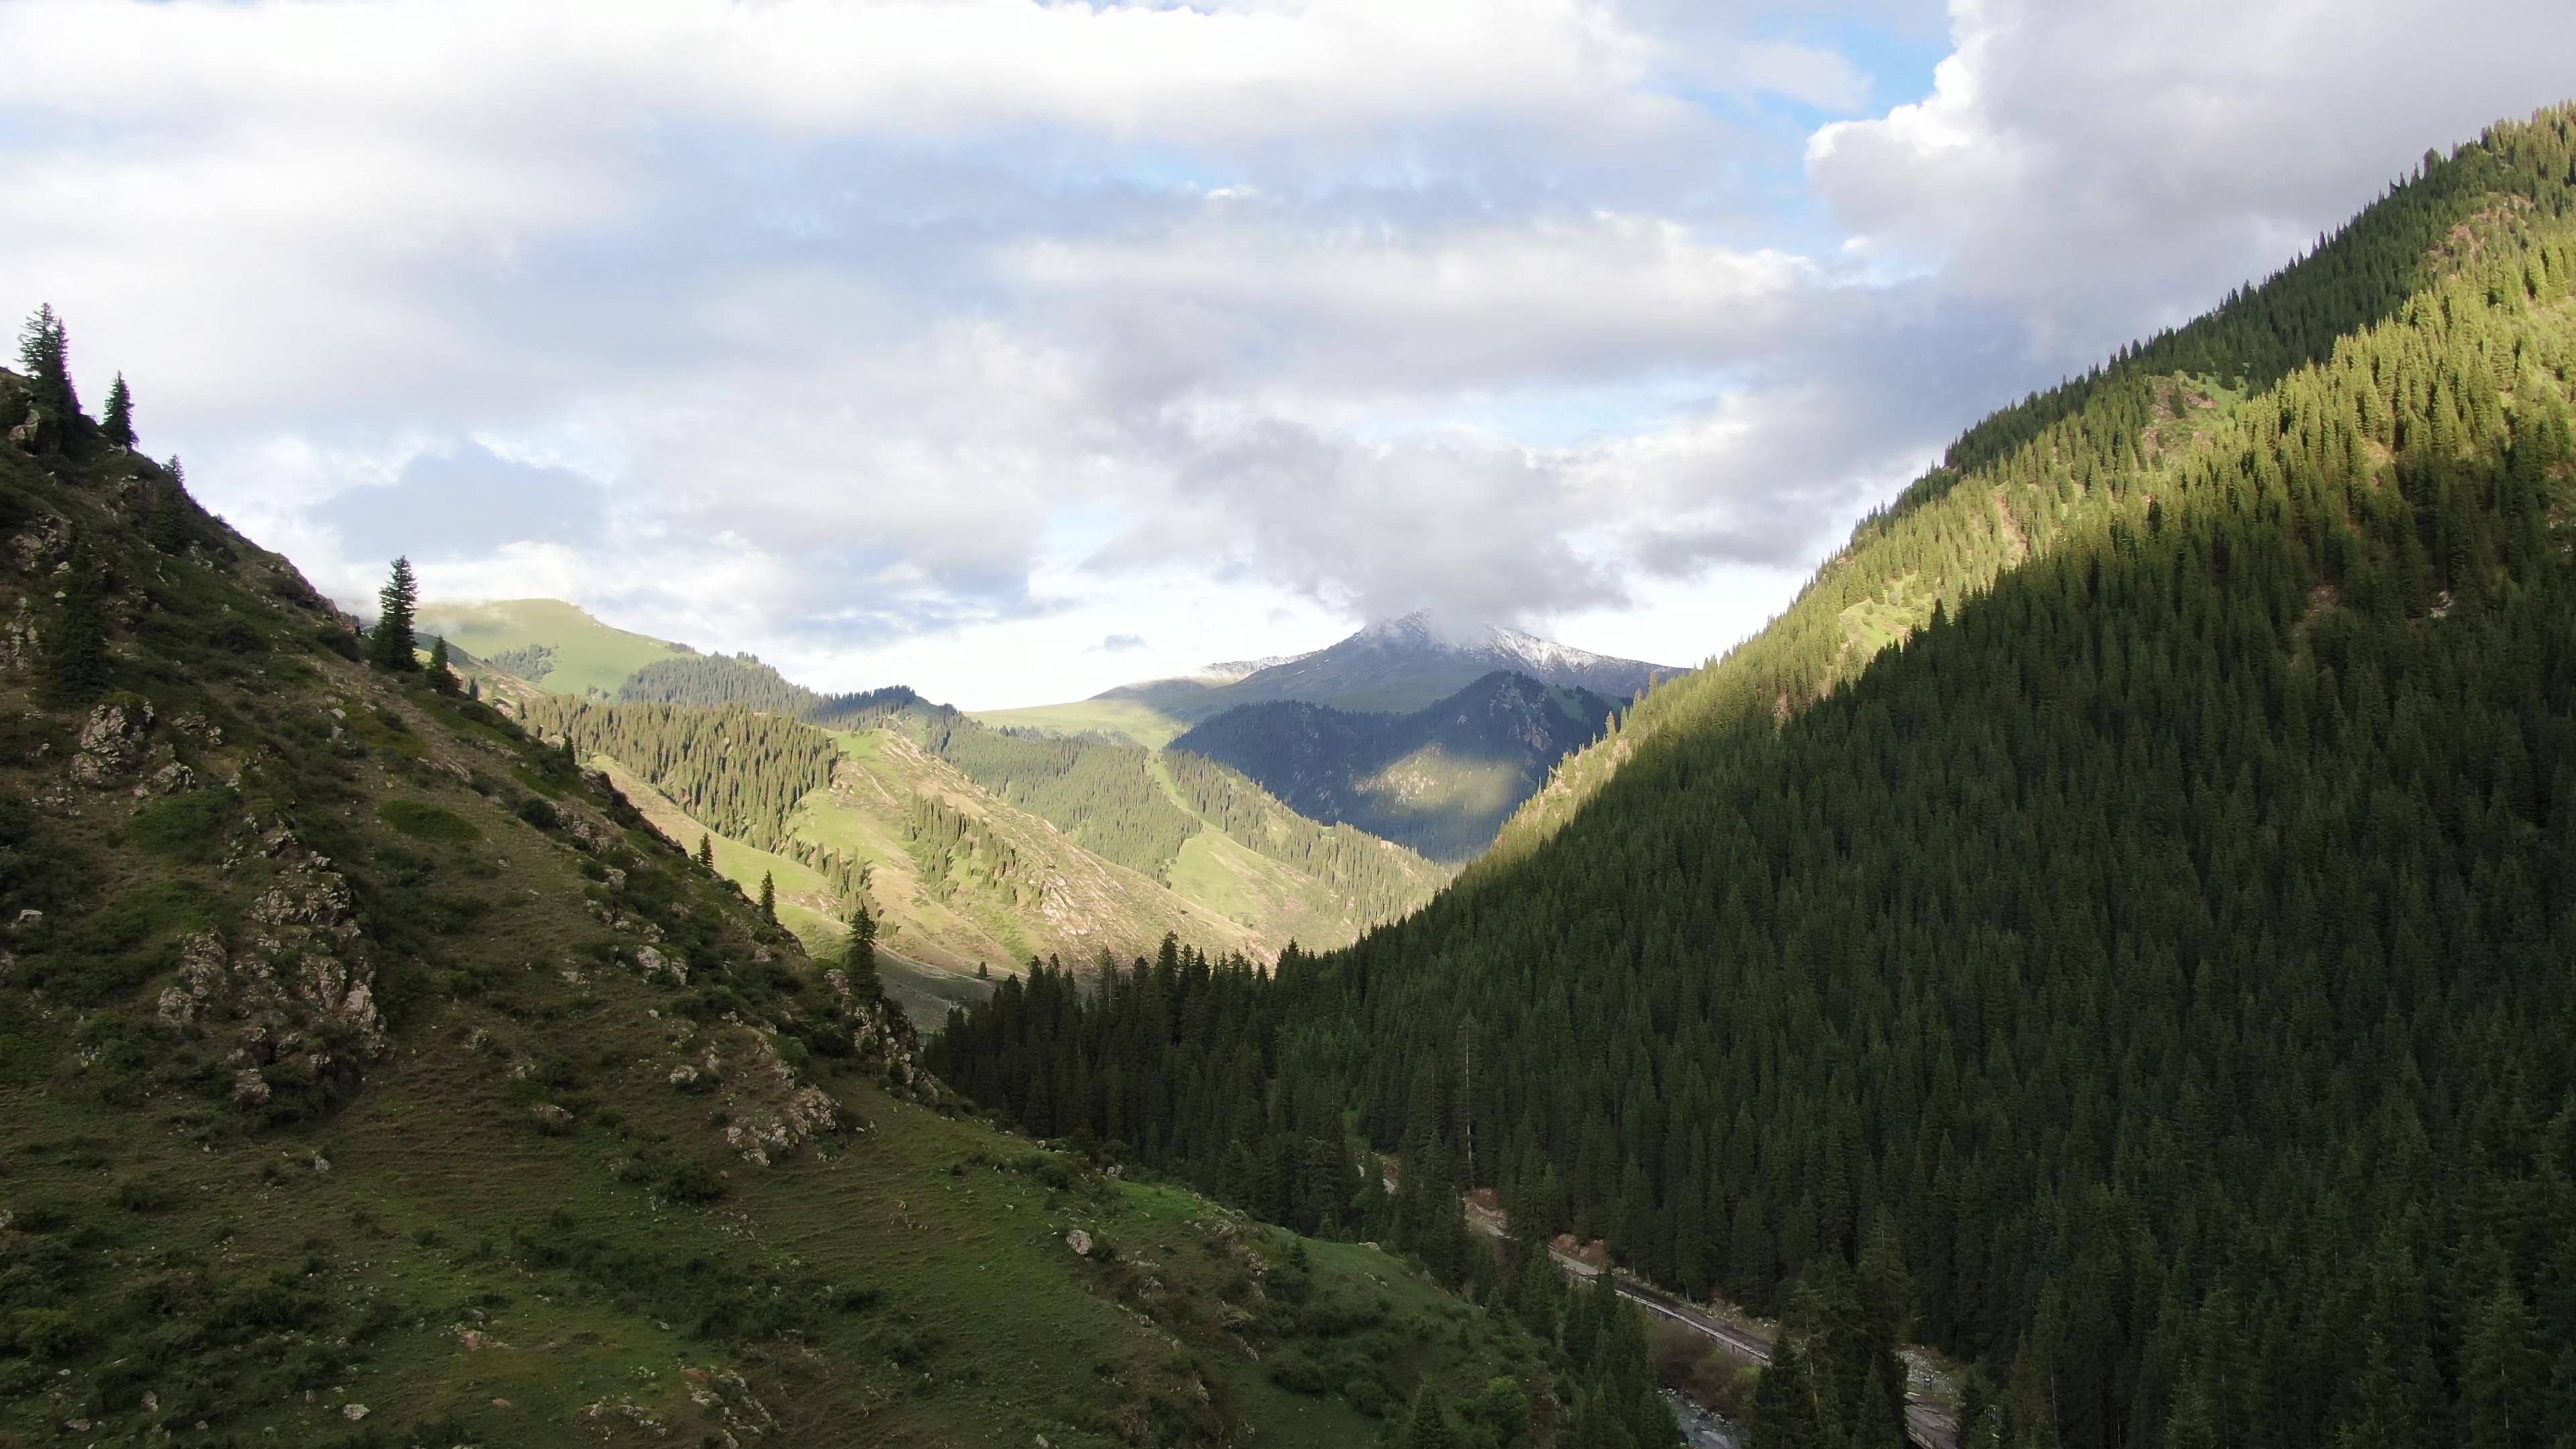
(441, 677)
(44, 355)
(768, 898)
(391, 646)
(1428, 1428)
(859, 961)
(706, 850)
(75, 664)
(117, 423)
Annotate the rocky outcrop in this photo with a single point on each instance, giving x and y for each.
(296, 998)
(113, 742)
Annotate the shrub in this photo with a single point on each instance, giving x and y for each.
(423, 821)
(186, 827)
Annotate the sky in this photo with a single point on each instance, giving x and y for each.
(1014, 350)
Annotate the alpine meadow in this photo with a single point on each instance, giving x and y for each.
(932, 724)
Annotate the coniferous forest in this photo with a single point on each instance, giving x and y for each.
(2147, 979)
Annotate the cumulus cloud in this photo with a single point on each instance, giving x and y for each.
(2103, 168)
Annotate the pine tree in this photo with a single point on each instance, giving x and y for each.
(706, 850)
(441, 677)
(768, 898)
(397, 603)
(117, 423)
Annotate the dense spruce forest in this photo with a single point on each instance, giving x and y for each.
(2150, 968)
(734, 768)
(1440, 780)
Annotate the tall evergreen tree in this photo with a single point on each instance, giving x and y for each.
(116, 424)
(393, 644)
(1427, 1427)
(859, 959)
(44, 355)
(706, 850)
(441, 677)
(768, 897)
(75, 657)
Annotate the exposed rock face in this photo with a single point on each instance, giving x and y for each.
(112, 742)
(298, 995)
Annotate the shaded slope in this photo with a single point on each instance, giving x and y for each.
(1440, 780)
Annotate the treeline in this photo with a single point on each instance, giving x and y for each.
(738, 771)
(715, 680)
(2169, 940)
(1173, 1055)
(1103, 795)
(1379, 879)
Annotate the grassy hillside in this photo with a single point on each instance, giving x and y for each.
(1134, 721)
(370, 1075)
(547, 642)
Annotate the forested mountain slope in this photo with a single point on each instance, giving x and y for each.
(2134, 886)
(370, 1075)
(1440, 780)
(2011, 483)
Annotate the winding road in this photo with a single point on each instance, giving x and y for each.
(1929, 1423)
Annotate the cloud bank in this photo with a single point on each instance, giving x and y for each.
(986, 340)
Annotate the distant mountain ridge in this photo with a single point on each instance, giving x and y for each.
(1391, 666)
(1441, 779)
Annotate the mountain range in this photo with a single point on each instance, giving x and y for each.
(976, 849)
(1390, 666)
(1114, 839)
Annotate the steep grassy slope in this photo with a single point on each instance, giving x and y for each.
(1440, 780)
(2150, 975)
(547, 642)
(371, 1075)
